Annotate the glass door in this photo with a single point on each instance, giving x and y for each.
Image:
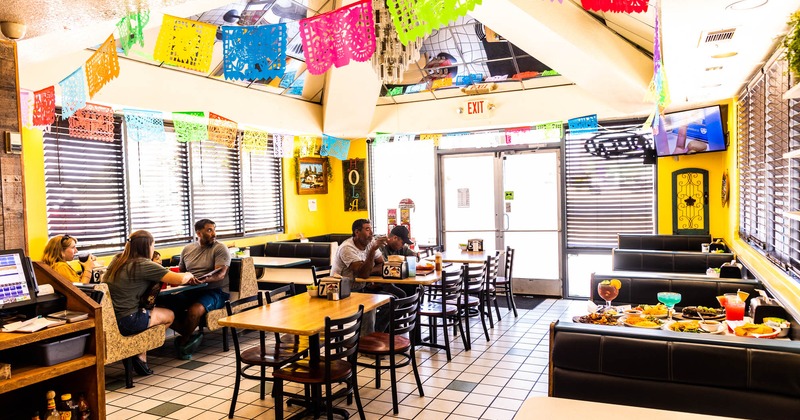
(507, 199)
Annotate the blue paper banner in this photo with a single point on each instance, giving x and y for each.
(336, 147)
(73, 92)
(254, 52)
(142, 125)
(287, 80)
(586, 124)
(468, 79)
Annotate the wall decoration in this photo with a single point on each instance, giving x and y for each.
(102, 66)
(254, 52)
(142, 125)
(616, 6)
(73, 92)
(312, 177)
(587, 124)
(44, 106)
(185, 43)
(355, 185)
(131, 29)
(93, 122)
(417, 18)
(308, 146)
(726, 189)
(255, 141)
(336, 147)
(26, 107)
(190, 126)
(222, 130)
(335, 37)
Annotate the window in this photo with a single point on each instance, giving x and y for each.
(216, 191)
(262, 186)
(158, 185)
(605, 197)
(768, 186)
(85, 188)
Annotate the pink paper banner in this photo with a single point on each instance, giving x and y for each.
(93, 122)
(616, 6)
(336, 37)
(26, 98)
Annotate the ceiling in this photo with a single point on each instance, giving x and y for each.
(607, 56)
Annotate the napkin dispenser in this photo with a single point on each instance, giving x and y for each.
(763, 307)
(475, 245)
(395, 270)
(327, 282)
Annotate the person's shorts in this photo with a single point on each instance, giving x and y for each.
(134, 323)
(210, 299)
(213, 299)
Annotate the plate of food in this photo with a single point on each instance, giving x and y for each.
(424, 267)
(749, 329)
(655, 311)
(598, 319)
(649, 322)
(691, 326)
(694, 312)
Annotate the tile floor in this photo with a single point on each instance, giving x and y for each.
(489, 382)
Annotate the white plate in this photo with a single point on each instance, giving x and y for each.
(720, 329)
(624, 319)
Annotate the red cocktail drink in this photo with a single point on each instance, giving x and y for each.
(734, 310)
(608, 292)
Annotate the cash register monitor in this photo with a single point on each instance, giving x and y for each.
(17, 283)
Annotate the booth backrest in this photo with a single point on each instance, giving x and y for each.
(320, 253)
(643, 288)
(667, 261)
(328, 237)
(717, 375)
(662, 242)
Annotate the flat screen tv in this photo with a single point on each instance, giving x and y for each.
(17, 284)
(687, 132)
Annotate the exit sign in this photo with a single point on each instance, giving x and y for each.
(476, 109)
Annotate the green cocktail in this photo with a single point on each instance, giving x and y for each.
(670, 299)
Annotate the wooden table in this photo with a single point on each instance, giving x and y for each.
(278, 262)
(425, 280)
(562, 408)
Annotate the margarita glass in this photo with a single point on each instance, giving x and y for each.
(608, 292)
(670, 299)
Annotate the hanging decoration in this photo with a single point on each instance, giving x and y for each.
(254, 52)
(26, 98)
(441, 83)
(44, 106)
(516, 135)
(222, 130)
(102, 66)
(250, 17)
(142, 125)
(587, 124)
(190, 126)
(93, 122)
(391, 58)
(308, 146)
(73, 92)
(333, 146)
(381, 138)
(287, 141)
(255, 141)
(417, 18)
(658, 90)
(335, 37)
(131, 29)
(551, 132)
(434, 137)
(616, 6)
(355, 188)
(185, 43)
(277, 146)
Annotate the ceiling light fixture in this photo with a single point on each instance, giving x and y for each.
(13, 30)
(724, 55)
(746, 4)
(391, 58)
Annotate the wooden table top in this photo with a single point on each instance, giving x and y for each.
(278, 262)
(464, 257)
(562, 408)
(302, 314)
(425, 280)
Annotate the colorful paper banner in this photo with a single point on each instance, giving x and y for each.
(26, 100)
(73, 92)
(417, 18)
(381, 138)
(333, 146)
(308, 146)
(93, 122)
(102, 66)
(441, 83)
(336, 37)
(549, 132)
(255, 141)
(190, 126)
(404, 137)
(287, 141)
(616, 6)
(131, 29)
(222, 130)
(143, 125)
(254, 52)
(434, 137)
(185, 43)
(44, 107)
(587, 124)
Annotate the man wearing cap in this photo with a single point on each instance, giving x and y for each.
(397, 244)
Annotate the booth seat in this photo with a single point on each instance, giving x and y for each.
(328, 237)
(667, 261)
(321, 255)
(699, 373)
(662, 242)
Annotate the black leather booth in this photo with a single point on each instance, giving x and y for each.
(667, 261)
(662, 242)
(700, 373)
(329, 237)
(318, 252)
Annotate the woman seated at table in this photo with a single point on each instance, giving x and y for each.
(131, 276)
(59, 251)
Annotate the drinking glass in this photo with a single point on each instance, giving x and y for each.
(669, 299)
(607, 292)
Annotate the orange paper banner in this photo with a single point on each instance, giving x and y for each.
(222, 130)
(102, 66)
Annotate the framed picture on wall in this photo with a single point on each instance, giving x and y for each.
(312, 177)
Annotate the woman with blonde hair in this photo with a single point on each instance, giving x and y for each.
(130, 277)
(59, 251)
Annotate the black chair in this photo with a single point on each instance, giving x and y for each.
(502, 285)
(474, 301)
(492, 271)
(338, 365)
(446, 309)
(399, 341)
(261, 356)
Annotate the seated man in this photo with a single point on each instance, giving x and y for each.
(208, 260)
(360, 256)
(397, 244)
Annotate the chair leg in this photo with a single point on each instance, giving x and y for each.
(487, 307)
(128, 364)
(277, 391)
(446, 338)
(497, 308)
(360, 407)
(263, 381)
(413, 358)
(393, 377)
(225, 341)
(329, 400)
(511, 297)
(235, 391)
(468, 338)
(482, 312)
(464, 335)
(378, 370)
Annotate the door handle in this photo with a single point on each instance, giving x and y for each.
(507, 221)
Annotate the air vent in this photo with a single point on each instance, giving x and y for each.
(717, 36)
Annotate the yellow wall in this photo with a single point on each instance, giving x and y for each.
(715, 163)
(330, 216)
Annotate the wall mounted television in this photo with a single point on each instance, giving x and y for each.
(688, 132)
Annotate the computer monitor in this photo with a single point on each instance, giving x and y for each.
(17, 282)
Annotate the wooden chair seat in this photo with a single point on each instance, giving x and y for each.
(273, 356)
(302, 372)
(378, 343)
(433, 309)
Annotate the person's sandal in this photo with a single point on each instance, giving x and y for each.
(141, 366)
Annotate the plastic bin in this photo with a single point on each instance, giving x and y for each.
(55, 352)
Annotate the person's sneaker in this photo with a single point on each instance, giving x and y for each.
(191, 346)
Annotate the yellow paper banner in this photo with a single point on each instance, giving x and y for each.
(255, 141)
(185, 43)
